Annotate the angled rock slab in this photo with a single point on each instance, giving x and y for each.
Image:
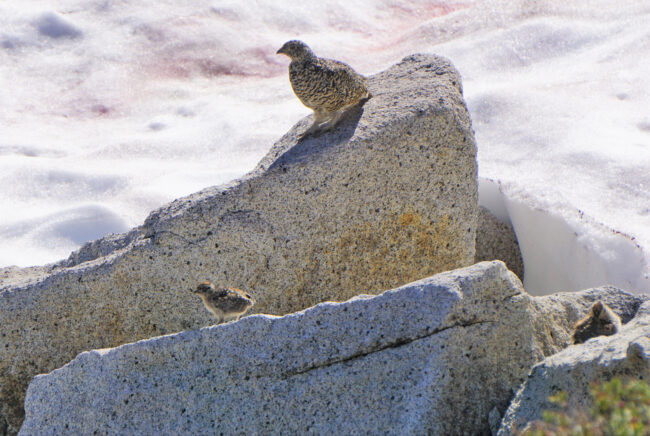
(392, 359)
(626, 354)
(437, 356)
(389, 197)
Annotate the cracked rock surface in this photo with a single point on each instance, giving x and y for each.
(437, 356)
(388, 197)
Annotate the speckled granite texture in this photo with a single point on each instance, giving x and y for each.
(496, 240)
(575, 369)
(439, 356)
(388, 197)
(391, 364)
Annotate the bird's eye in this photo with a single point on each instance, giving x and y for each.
(248, 296)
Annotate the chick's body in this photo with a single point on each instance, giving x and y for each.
(225, 303)
(601, 320)
(326, 86)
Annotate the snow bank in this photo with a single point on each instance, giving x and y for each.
(563, 249)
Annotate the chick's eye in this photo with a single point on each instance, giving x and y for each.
(248, 296)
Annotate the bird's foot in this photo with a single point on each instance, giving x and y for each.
(313, 130)
(324, 122)
(316, 129)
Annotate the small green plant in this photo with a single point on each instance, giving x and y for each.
(620, 408)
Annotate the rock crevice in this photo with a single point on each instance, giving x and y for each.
(394, 344)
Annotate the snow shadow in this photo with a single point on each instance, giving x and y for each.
(564, 250)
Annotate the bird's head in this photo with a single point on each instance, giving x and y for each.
(204, 288)
(296, 50)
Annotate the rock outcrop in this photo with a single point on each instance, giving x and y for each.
(439, 356)
(496, 240)
(573, 370)
(388, 197)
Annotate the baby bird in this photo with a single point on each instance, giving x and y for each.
(326, 86)
(601, 320)
(225, 303)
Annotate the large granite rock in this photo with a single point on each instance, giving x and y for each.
(438, 356)
(626, 354)
(388, 197)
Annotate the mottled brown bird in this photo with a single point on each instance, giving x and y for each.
(600, 321)
(225, 303)
(326, 86)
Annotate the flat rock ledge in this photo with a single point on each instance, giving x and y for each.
(438, 356)
(388, 197)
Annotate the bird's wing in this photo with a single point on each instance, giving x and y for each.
(341, 74)
(220, 292)
(335, 68)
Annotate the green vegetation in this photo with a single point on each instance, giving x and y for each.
(620, 408)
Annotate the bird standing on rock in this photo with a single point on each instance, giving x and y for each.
(326, 86)
(225, 303)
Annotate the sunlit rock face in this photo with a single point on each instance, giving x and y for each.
(388, 197)
(442, 355)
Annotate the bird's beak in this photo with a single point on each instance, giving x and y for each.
(280, 51)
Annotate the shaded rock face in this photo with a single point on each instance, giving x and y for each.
(625, 354)
(439, 356)
(558, 313)
(496, 240)
(388, 197)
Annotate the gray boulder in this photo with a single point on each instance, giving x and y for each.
(397, 360)
(439, 356)
(496, 240)
(388, 197)
(573, 370)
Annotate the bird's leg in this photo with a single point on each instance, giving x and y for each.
(312, 129)
(334, 119)
(320, 118)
